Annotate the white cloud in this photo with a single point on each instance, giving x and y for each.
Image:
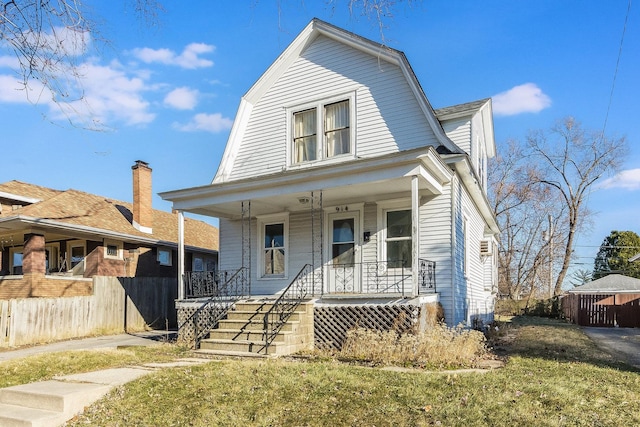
(206, 122)
(182, 98)
(525, 98)
(627, 179)
(9, 62)
(109, 94)
(189, 58)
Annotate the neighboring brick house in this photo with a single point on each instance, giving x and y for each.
(51, 241)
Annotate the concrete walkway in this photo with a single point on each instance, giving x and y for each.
(103, 342)
(54, 402)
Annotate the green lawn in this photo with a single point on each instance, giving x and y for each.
(554, 376)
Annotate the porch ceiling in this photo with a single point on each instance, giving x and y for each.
(358, 181)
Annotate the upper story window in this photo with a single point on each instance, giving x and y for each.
(336, 128)
(304, 136)
(322, 131)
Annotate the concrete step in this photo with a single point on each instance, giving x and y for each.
(262, 307)
(52, 395)
(234, 345)
(250, 325)
(245, 335)
(20, 416)
(252, 315)
(206, 353)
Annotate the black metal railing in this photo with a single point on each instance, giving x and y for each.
(223, 296)
(286, 304)
(203, 284)
(426, 276)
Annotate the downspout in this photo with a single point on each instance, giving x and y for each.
(180, 255)
(415, 234)
(453, 246)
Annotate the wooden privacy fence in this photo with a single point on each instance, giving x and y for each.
(621, 310)
(117, 305)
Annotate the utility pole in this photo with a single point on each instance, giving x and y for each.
(547, 236)
(550, 256)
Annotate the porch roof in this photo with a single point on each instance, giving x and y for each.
(352, 181)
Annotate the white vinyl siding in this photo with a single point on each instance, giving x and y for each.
(459, 131)
(388, 117)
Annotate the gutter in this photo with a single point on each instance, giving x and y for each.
(57, 225)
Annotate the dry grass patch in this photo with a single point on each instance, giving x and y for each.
(438, 347)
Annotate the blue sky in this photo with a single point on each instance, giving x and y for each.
(168, 94)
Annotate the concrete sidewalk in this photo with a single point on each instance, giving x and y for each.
(52, 403)
(108, 341)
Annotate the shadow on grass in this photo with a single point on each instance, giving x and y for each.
(555, 340)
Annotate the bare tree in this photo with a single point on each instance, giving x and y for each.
(522, 209)
(47, 36)
(569, 161)
(50, 38)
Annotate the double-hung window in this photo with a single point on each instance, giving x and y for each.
(304, 135)
(336, 128)
(398, 238)
(322, 131)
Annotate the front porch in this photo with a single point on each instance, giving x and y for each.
(221, 315)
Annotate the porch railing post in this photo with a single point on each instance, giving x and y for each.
(415, 234)
(180, 255)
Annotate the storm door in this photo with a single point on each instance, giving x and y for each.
(344, 253)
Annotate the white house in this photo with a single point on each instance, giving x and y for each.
(341, 180)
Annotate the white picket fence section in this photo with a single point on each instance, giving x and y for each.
(117, 305)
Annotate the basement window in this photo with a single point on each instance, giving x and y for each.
(113, 249)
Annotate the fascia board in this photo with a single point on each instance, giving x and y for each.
(45, 224)
(19, 198)
(437, 166)
(361, 171)
(233, 143)
(57, 225)
(487, 122)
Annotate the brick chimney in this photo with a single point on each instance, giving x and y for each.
(142, 209)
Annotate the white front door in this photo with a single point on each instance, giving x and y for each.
(344, 252)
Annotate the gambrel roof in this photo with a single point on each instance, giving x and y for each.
(309, 34)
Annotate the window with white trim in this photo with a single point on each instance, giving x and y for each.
(398, 238)
(76, 252)
(15, 260)
(113, 249)
(322, 130)
(273, 255)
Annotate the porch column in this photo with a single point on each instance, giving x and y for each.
(180, 255)
(34, 257)
(415, 233)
